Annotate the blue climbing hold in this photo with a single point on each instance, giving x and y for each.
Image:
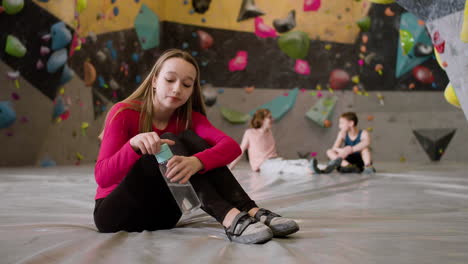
(113, 54)
(185, 45)
(67, 75)
(61, 36)
(7, 114)
(135, 57)
(48, 163)
(138, 79)
(101, 81)
(57, 60)
(59, 107)
(109, 44)
(116, 11)
(194, 53)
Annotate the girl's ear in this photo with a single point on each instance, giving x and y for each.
(153, 82)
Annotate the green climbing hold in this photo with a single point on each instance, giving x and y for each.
(14, 47)
(364, 23)
(234, 117)
(13, 6)
(322, 112)
(147, 28)
(81, 5)
(406, 41)
(295, 44)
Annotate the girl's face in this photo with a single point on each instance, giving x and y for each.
(267, 121)
(174, 84)
(345, 124)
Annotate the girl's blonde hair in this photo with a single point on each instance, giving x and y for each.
(259, 117)
(141, 99)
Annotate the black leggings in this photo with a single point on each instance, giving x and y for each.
(142, 201)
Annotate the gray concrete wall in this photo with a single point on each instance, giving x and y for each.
(40, 137)
(392, 134)
(392, 125)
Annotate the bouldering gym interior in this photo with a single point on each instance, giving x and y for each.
(240, 131)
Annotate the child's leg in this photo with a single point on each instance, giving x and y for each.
(131, 206)
(332, 155)
(229, 188)
(366, 157)
(220, 178)
(211, 200)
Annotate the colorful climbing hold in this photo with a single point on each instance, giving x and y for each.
(238, 63)
(81, 5)
(89, 73)
(295, 44)
(249, 10)
(423, 74)
(14, 47)
(39, 65)
(147, 28)
(57, 60)
(338, 79)
(201, 6)
(406, 41)
(67, 75)
(13, 7)
(451, 96)
(61, 36)
(286, 24)
(302, 67)
(262, 30)
(311, 5)
(389, 12)
(206, 40)
(439, 42)
(364, 23)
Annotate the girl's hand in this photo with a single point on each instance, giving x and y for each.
(180, 168)
(148, 143)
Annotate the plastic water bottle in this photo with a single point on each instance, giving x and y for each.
(184, 194)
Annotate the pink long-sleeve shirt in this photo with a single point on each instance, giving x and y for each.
(116, 156)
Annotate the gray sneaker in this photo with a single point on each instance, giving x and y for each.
(369, 170)
(281, 226)
(247, 230)
(332, 165)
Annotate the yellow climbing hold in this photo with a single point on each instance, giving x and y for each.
(355, 79)
(79, 156)
(451, 96)
(81, 5)
(464, 31)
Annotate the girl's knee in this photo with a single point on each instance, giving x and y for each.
(169, 135)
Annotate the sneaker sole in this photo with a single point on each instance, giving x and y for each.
(258, 238)
(284, 230)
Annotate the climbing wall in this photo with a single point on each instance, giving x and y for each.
(303, 59)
